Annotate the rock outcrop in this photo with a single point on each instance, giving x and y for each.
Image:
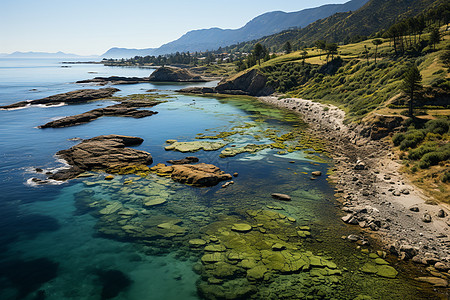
(114, 80)
(251, 83)
(379, 126)
(170, 74)
(197, 175)
(100, 153)
(73, 97)
(124, 109)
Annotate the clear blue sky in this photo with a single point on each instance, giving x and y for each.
(90, 27)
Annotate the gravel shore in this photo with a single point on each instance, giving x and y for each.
(374, 195)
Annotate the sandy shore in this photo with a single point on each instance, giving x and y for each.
(375, 196)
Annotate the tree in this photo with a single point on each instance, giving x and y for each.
(304, 53)
(446, 59)
(331, 50)
(320, 45)
(410, 84)
(287, 47)
(435, 37)
(376, 42)
(366, 53)
(258, 52)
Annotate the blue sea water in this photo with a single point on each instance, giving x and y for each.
(49, 250)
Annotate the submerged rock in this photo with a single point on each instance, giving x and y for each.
(436, 281)
(184, 161)
(241, 227)
(194, 146)
(380, 270)
(100, 153)
(251, 148)
(282, 197)
(68, 98)
(197, 242)
(197, 175)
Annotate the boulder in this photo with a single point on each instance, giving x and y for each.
(170, 74)
(197, 175)
(409, 251)
(441, 213)
(316, 173)
(414, 209)
(360, 165)
(101, 153)
(73, 97)
(426, 218)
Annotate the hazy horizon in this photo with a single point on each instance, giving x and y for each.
(91, 28)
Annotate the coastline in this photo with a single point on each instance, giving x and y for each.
(372, 192)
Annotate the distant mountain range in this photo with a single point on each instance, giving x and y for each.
(59, 54)
(263, 25)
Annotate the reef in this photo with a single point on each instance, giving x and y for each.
(73, 97)
(101, 153)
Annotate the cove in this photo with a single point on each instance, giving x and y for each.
(213, 243)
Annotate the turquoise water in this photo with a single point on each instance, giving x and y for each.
(56, 243)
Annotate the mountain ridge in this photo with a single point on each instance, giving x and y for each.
(34, 54)
(262, 25)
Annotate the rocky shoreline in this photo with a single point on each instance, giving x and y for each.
(374, 195)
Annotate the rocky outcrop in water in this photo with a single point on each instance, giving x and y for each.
(170, 74)
(114, 80)
(100, 153)
(197, 175)
(163, 74)
(73, 97)
(124, 109)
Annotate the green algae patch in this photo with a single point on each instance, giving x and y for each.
(250, 148)
(141, 170)
(195, 146)
(220, 135)
(254, 258)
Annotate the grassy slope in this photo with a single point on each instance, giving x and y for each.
(365, 89)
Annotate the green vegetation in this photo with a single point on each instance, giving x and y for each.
(425, 150)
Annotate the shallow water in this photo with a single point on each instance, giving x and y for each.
(57, 243)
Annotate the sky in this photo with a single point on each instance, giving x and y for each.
(91, 27)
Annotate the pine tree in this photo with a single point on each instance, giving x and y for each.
(410, 84)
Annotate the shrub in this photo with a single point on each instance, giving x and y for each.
(438, 126)
(434, 158)
(445, 177)
(418, 153)
(412, 139)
